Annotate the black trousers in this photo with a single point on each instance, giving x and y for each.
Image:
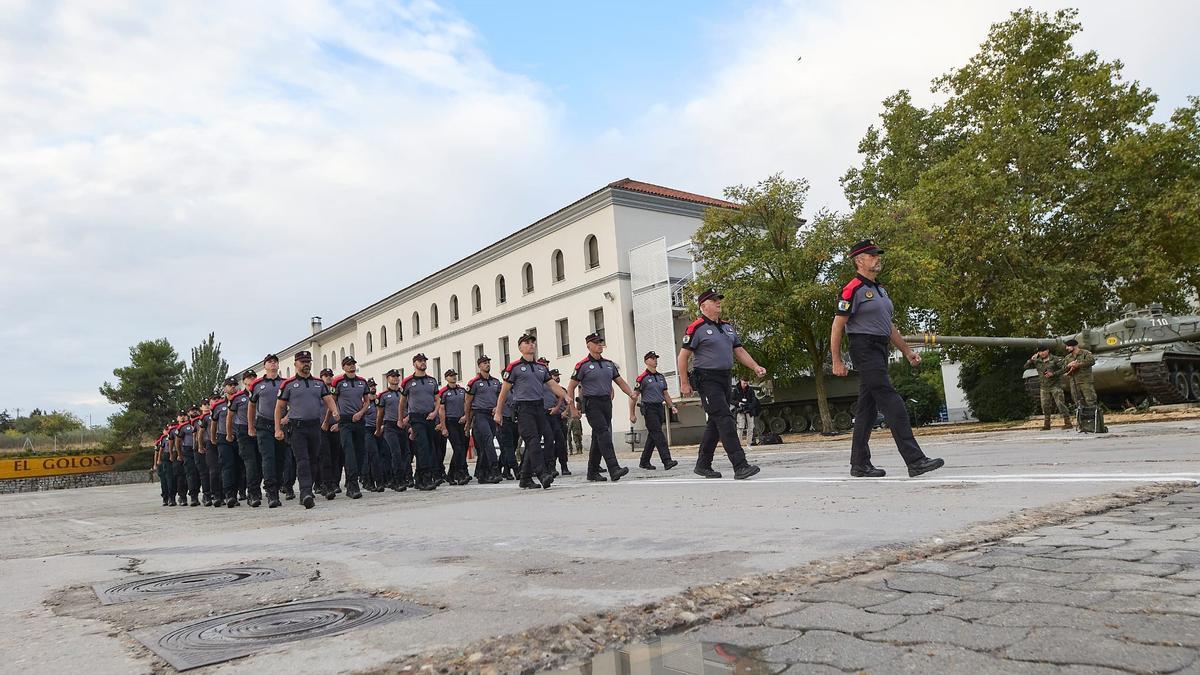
(353, 440)
(556, 444)
(202, 466)
(180, 478)
(285, 467)
(653, 414)
(251, 459)
(458, 442)
(875, 395)
(229, 463)
(216, 488)
(598, 410)
(191, 471)
(483, 431)
(422, 443)
(533, 427)
(713, 387)
(373, 464)
(439, 453)
(306, 446)
(397, 442)
(166, 477)
(268, 453)
(331, 459)
(509, 436)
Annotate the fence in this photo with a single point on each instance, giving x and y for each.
(84, 439)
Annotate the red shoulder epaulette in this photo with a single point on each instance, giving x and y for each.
(281, 384)
(585, 360)
(405, 381)
(473, 381)
(644, 373)
(694, 325)
(443, 390)
(509, 367)
(258, 379)
(848, 289)
(336, 379)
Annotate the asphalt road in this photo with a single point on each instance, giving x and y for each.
(490, 560)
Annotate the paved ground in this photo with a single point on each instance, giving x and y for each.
(494, 560)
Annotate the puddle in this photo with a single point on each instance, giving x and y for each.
(674, 656)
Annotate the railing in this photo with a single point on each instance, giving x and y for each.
(677, 288)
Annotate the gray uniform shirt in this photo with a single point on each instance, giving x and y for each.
(304, 398)
(652, 386)
(239, 404)
(263, 394)
(868, 306)
(549, 400)
(421, 392)
(188, 434)
(369, 416)
(218, 416)
(454, 399)
(349, 392)
(711, 343)
(510, 406)
(389, 400)
(595, 376)
(528, 379)
(485, 393)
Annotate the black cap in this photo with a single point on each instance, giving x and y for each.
(1072, 343)
(709, 294)
(543, 360)
(348, 359)
(249, 373)
(392, 373)
(554, 371)
(594, 337)
(304, 356)
(420, 357)
(449, 372)
(865, 246)
(231, 381)
(194, 406)
(182, 412)
(650, 354)
(526, 338)
(327, 371)
(482, 359)
(271, 357)
(371, 383)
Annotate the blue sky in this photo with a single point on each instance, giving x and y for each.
(153, 153)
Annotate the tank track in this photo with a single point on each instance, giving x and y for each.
(1156, 379)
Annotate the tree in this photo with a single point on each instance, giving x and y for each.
(779, 274)
(6, 421)
(58, 422)
(206, 372)
(992, 382)
(148, 389)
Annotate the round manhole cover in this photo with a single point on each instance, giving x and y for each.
(169, 584)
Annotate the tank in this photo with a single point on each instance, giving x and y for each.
(792, 407)
(1146, 355)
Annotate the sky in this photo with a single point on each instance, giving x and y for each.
(165, 166)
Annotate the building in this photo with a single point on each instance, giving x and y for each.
(614, 262)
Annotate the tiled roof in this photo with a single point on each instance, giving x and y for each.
(651, 189)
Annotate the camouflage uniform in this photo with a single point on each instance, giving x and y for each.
(1050, 370)
(576, 437)
(1083, 388)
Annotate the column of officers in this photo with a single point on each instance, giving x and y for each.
(273, 439)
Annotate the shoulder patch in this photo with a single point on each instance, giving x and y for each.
(849, 289)
(512, 365)
(693, 326)
(405, 381)
(577, 365)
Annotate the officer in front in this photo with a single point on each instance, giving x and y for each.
(452, 414)
(418, 396)
(524, 381)
(240, 421)
(305, 399)
(595, 376)
(226, 442)
(263, 393)
(387, 426)
(713, 344)
(482, 393)
(350, 394)
(864, 313)
(651, 386)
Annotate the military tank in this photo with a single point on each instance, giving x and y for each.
(1146, 355)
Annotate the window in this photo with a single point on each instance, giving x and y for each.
(454, 308)
(456, 362)
(531, 332)
(436, 364)
(351, 349)
(370, 344)
(558, 270)
(416, 324)
(505, 357)
(399, 331)
(527, 278)
(591, 252)
(401, 374)
(289, 371)
(478, 353)
(501, 293)
(598, 321)
(383, 337)
(343, 350)
(564, 346)
(476, 299)
(324, 361)
(433, 316)
(333, 358)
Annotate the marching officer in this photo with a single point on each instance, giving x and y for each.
(264, 391)
(215, 480)
(187, 452)
(372, 464)
(239, 422)
(306, 401)
(203, 460)
(452, 412)
(163, 465)
(651, 387)
(387, 426)
(177, 458)
(1079, 364)
(557, 412)
(594, 376)
(524, 380)
(713, 344)
(509, 438)
(1050, 369)
(350, 395)
(482, 393)
(226, 442)
(418, 396)
(330, 464)
(864, 313)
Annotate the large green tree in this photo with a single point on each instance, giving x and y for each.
(148, 390)
(779, 274)
(205, 372)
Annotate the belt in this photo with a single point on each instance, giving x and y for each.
(605, 397)
(879, 339)
(305, 423)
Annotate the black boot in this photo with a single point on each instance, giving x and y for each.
(706, 472)
(273, 499)
(597, 477)
(618, 473)
(289, 493)
(648, 465)
(352, 490)
(925, 466)
(670, 464)
(231, 502)
(745, 472)
(867, 471)
(307, 500)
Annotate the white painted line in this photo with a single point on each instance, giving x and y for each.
(80, 522)
(1029, 478)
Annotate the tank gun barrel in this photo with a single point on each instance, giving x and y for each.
(933, 340)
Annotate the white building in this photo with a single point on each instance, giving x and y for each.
(614, 263)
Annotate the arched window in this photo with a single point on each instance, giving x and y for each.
(527, 278)
(591, 251)
(558, 271)
(476, 299)
(433, 316)
(416, 323)
(333, 360)
(351, 349)
(454, 308)
(289, 373)
(324, 361)
(399, 331)
(383, 337)
(370, 343)
(501, 291)
(343, 350)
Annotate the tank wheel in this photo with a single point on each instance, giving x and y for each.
(1194, 382)
(842, 420)
(777, 424)
(1179, 379)
(798, 422)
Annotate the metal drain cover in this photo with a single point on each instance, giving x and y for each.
(138, 588)
(187, 645)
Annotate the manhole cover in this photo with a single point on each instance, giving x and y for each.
(189, 645)
(139, 588)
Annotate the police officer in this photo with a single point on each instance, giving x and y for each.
(1078, 365)
(238, 423)
(187, 452)
(226, 442)
(371, 470)
(594, 376)
(524, 380)
(163, 464)
(482, 393)
(1050, 369)
(509, 438)
(452, 415)
(264, 391)
(202, 458)
(350, 395)
(864, 313)
(387, 426)
(307, 401)
(213, 453)
(651, 387)
(331, 448)
(713, 344)
(418, 396)
(555, 447)
(177, 458)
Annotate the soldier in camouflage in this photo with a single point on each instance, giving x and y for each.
(1050, 369)
(1078, 365)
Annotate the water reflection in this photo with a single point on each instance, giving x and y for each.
(674, 656)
